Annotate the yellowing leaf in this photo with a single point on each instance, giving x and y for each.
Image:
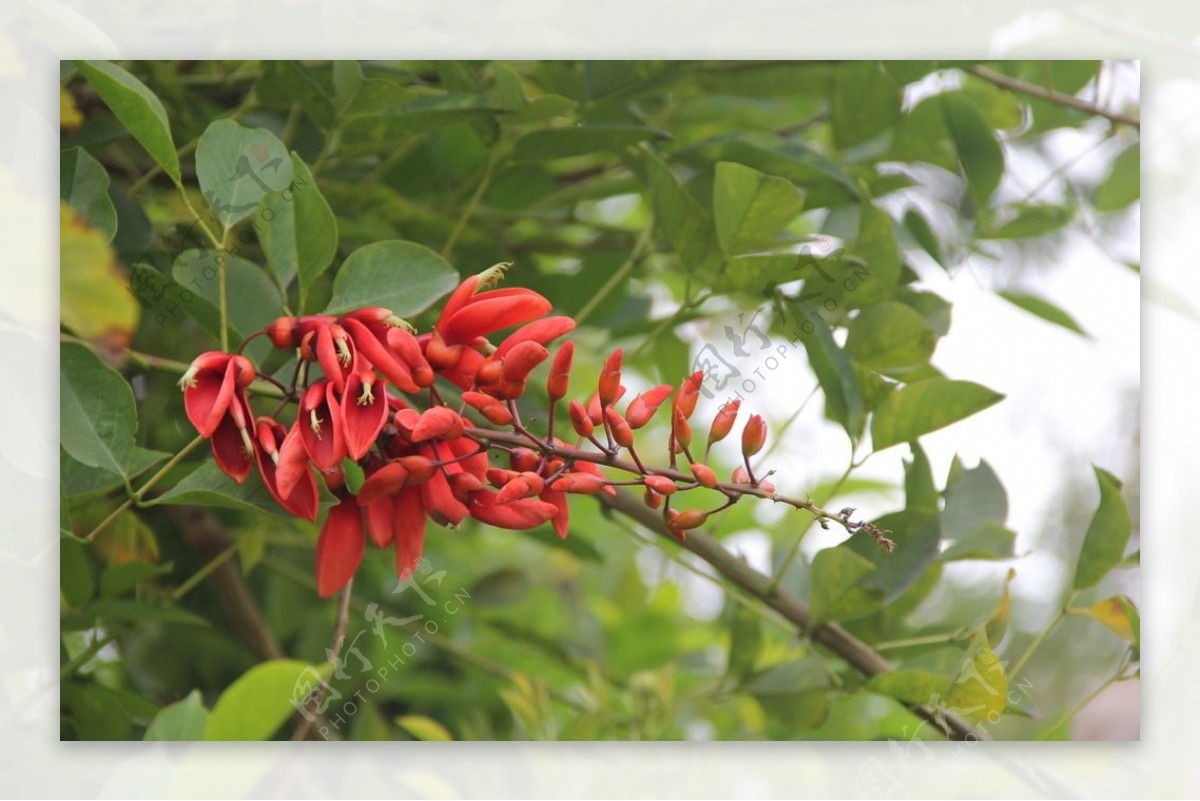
(424, 728)
(1112, 613)
(69, 116)
(981, 688)
(95, 301)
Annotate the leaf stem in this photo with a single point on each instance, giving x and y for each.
(1040, 637)
(620, 275)
(1045, 93)
(484, 182)
(204, 572)
(86, 655)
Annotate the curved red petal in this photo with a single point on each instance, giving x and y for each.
(542, 331)
(492, 311)
(340, 547)
(207, 399)
(362, 421)
(518, 515)
(409, 525)
(380, 514)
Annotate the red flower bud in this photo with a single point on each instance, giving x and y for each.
(519, 363)
(440, 355)
(692, 518)
(524, 460)
(754, 436)
(661, 484)
(620, 429)
(518, 515)
(463, 484)
(740, 475)
(405, 420)
(489, 373)
(582, 483)
(643, 407)
(387, 480)
(681, 432)
(405, 345)
(580, 420)
(493, 410)
(689, 393)
(420, 469)
(722, 424)
(498, 476)
(609, 386)
(437, 422)
(652, 499)
(560, 372)
(705, 477)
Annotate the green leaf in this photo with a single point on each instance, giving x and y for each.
(402, 117)
(916, 534)
(918, 226)
(117, 579)
(797, 676)
(137, 108)
(891, 338)
(402, 276)
(208, 486)
(997, 623)
(83, 183)
(876, 245)
(297, 229)
(911, 685)
(835, 373)
(979, 153)
(926, 406)
(990, 541)
(236, 166)
(423, 728)
(1107, 534)
(78, 480)
(252, 301)
(920, 493)
(1030, 220)
(74, 573)
(285, 82)
(95, 301)
(1040, 307)
(750, 207)
(557, 143)
(838, 591)
(111, 610)
(865, 102)
(745, 641)
(97, 417)
(974, 496)
(756, 275)
(679, 218)
(261, 700)
(181, 721)
(1123, 185)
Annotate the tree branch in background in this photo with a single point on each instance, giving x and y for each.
(857, 653)
(305, 724)
(1033, 90)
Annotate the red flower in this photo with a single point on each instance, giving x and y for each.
(301, 499)
(340, 546)
(468, 315)
(364, 410)
(209, 386)
(321, 425)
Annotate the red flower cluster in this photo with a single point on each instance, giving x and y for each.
(426, 460)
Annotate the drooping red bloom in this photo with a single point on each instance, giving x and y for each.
(469, 313)
(209, 386)
(340, 546)
(364, 410)
(301, 499)
(321, 425)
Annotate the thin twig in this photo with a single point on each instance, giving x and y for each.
(305, 724)
(1044, 93)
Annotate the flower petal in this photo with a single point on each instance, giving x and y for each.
(340, 547)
